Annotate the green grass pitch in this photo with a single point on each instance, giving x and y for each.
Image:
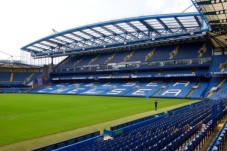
(26, 116)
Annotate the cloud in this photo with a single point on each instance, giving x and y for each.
(170, 6)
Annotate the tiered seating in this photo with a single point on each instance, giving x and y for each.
(66, 62)
(84, 138)
(77, 61)
(143, 89)
(188, 51)
(162, 53)
(99, 88)
(200, 91)
(32, 77)
(16, 82)
(93, 60)
(176, 89)
(14, 90)
(119, 57)
(220, 140)
(218, 64)
(122, 88)
(102, 58)
(174, 52)
(180, 131)
(140, 55)
(199, 139)
(4, 76)
(128, 56)
(221, 92)
(87, 59)
(147, 89)
(20, 76)
(214, 85)
(110, 58)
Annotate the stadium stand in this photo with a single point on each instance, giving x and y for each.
(11, 78)
(148, 55)
(199, 90)
(182, 129)
(177, 61)
(87, 137)
(220, 139)
(17, 78)
(221, 90)
(219, 64)
(177, 89)
(153, 62)
(4, 76)
(214, 85)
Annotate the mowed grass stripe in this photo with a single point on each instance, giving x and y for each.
(25, 116)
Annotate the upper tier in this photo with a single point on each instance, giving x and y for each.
(162, 53)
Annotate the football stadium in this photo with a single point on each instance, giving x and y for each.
(143, 83)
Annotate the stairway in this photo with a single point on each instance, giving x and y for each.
(213, 135)
(78, 61)
(128, 56)
(210, 94)
(93, 60)
(11, 77)
(222, 66)
(149, 55)
(160, 89)
(29, 78)
(220, 84)
(202, 50)
(110, 58)
(174, 52)
(192, 90)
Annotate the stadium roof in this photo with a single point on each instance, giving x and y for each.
(115, 33)
(215, 12)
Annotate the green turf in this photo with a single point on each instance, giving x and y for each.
(26, 116)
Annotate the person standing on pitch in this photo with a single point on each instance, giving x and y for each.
(156, 105)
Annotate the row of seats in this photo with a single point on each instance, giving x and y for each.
(10, 78)
(221, 90)
(173, 132)
(182, 51)
(198, 141)
(219, 64)
(176, 89)
(220, 140)
(143, 74)
(13, 90)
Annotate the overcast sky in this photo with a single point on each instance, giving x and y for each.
(24, 21)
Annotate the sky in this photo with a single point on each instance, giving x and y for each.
(25, 21)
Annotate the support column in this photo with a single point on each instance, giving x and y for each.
(220, 116)
(214, 116)
(52, 62)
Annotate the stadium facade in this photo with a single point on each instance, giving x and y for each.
(172, 55)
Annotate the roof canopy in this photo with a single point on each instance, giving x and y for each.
(215, 12)
(118, 33)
